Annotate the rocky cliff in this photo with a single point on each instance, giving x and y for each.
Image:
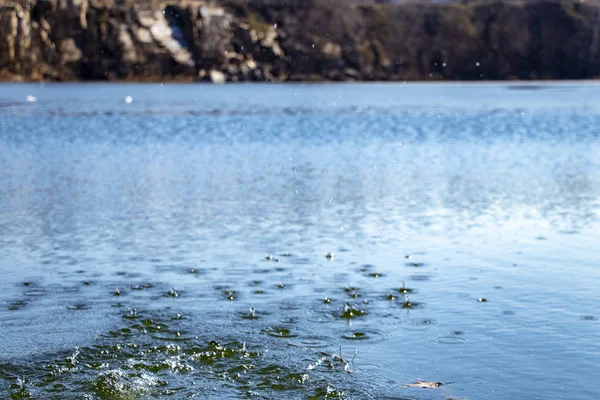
(256, 40)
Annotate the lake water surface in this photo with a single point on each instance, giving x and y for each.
(174, 246)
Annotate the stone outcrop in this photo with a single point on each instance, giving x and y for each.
(258, 40)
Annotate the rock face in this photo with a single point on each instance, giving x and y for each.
(257, 40)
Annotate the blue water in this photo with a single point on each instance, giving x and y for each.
(492, 190)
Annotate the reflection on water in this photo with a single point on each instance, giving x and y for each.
(176, 245)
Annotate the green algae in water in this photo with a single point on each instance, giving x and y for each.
(251, 314)
(351, 311)
(230, 294)
(119, 385)
(356, 336)
(130, 363)
(17, 305)
(329, 392)
(280, 332)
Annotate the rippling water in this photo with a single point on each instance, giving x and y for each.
(175, 246)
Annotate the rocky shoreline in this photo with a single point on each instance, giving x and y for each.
(313, 40)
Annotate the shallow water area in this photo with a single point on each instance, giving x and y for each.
(333, 241)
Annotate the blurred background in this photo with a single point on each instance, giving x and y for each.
(298, 40)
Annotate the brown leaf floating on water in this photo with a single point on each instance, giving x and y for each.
(425, 384)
